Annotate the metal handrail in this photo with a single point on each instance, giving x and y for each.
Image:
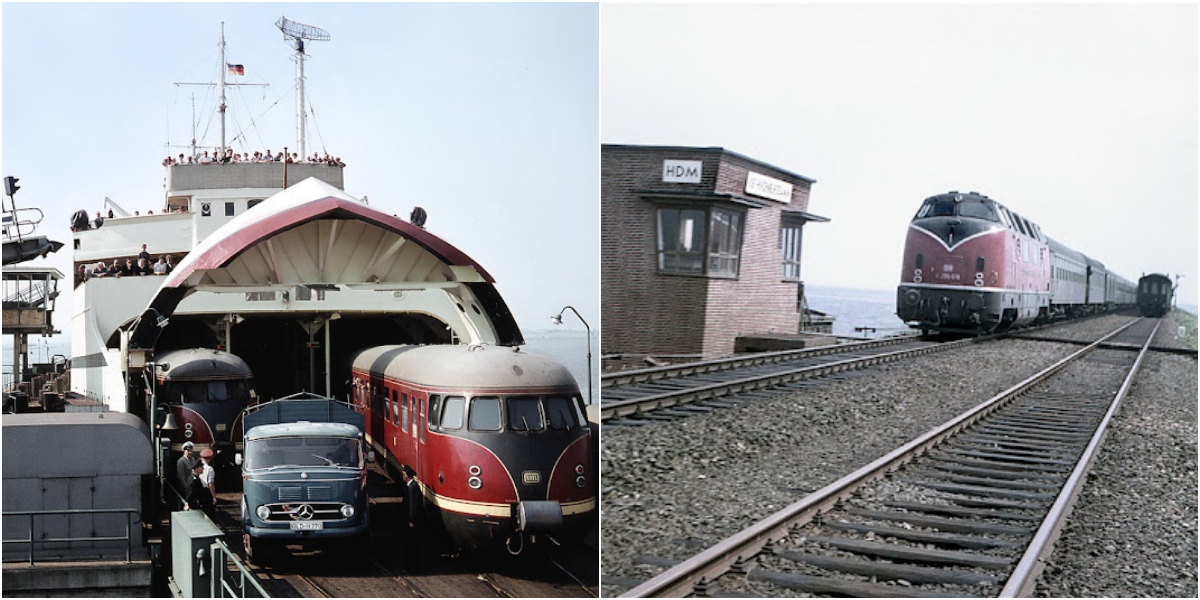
(221, 557)
(33, 514)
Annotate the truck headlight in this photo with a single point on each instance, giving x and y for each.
(263, 512)
(347, 510)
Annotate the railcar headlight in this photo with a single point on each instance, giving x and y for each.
(347, 510)
(917, 276)
(580, 481)
(263, 512)
(474, 470)
(579, 469)
(912, 297)
(475, 483)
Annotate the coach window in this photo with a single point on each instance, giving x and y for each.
(403, 409)
(435, 409)
(452, 412)
(485, 414)
(524, 414)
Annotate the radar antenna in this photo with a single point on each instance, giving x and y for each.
(295, 34)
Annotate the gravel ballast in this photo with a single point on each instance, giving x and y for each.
(674, 488)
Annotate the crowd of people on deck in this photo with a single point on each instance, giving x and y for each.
(144, 264)
(229, 156)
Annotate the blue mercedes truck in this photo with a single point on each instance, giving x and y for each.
(304, 474)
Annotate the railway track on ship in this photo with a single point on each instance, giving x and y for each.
(377, 570)
(971, 508)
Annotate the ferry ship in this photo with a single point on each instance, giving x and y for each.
(277, 263)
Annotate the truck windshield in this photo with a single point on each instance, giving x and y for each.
(314, 451)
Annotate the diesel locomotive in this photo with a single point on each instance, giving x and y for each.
(973, 266)
(498, 438)
(1154, 295)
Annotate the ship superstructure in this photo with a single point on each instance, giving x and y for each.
(274, 262)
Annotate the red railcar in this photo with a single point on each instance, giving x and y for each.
(498, 438)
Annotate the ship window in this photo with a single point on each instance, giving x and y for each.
(524, 414)
(229, 209)
(452, 412)
(253, 203)
(485, 414)
(435, 408)
(558, 412)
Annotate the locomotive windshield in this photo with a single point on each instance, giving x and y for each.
(946, 206)
(308, 451)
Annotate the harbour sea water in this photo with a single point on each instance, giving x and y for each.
(875, 309)
(569, 347)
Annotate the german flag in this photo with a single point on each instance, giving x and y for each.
(236, 69)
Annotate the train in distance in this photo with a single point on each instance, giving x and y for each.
(1154, 295)
(973, 266)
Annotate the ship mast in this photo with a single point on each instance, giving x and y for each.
(295, 34)
(221, 85)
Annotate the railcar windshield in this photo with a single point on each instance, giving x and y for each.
(943, 206)
(194, 392)
(307, 451)
(511, 413)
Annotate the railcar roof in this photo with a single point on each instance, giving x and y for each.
(201, 362)
(466, 367)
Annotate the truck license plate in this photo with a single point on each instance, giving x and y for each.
(307, 525)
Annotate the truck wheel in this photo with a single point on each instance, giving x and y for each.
(256, 550)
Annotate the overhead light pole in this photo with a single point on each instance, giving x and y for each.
(557, 320)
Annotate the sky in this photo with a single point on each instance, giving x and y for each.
(485, 115)
(1081, 118)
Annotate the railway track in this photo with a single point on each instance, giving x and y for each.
(971, 508)
(632, 397)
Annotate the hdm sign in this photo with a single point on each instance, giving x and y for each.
(682, 171)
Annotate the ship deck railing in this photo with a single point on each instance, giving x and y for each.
(33, 515)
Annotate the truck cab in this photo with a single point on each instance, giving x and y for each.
(304, 473)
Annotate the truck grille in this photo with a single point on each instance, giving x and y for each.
(320, 511)
(314, 493)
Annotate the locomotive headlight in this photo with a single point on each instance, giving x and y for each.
(475, 483)
(917, 276)
(263, 512)
(347, 510)
(580, 481)
(912, 297)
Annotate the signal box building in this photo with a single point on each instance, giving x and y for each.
(699, 247)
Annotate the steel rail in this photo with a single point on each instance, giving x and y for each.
(682, 579)
(622, 408)
(1024, 576)
(736, 362)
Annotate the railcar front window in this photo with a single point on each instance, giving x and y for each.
(559, 413)
(524, 414)
(452, 412)
(435, 410)
(485, 414)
